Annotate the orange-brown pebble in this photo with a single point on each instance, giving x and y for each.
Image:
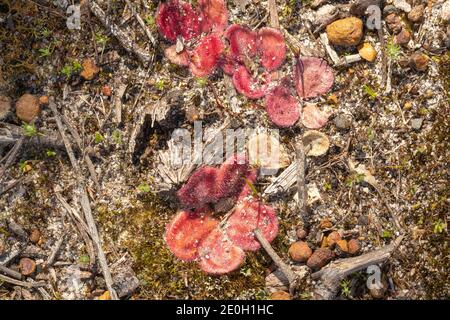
(300, 251)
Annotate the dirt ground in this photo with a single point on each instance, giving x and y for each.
(401, 137)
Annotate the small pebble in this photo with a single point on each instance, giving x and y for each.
(43, 100)
(416, 123)
(343, 122)
(27, 266)
(325, 224)
(445, 11)
(342, 245)
(332, 238)
(106, 91)
(35, 236)
(416, 13)
(280, 295)
(353, 246)
(367, 52)
(402, 5)
(301, 233)
(300, 251)
(90, 70)
(419, 61)
(320, 258)
(27, 107)
(403, 37)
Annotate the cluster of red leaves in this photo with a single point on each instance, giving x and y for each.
(178, 20)
(196, 235)
(250, 57)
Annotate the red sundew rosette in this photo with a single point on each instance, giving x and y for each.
(178, 19)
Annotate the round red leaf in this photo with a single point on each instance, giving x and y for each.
(218, 255)
(313, 118)
(248, 86)
(187, 230)
(175, 18)
(205, 57)
(282, 107)
(271, 47)
(243, 42)
(214, 15)
(231, 176)
(181, 58)
(246, 218)
(313, 77)
(200, 189)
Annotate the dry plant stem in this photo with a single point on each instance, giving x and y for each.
(301, 183)
(12, 156)
(274, 20)
(288, 273)
(11, 273)
(121, 36)
(141, 22)
(333, 55)
(21, 283)
(73, 131)
(383, 55)
(51, 259)
(332, 275)
(86, 206)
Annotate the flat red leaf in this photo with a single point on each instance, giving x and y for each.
(282, 107)
(187, 230)
(246, 218)
(271, 47)
(243, 42)
(176, 18)
(181, 58)
(313, 77)
(248, 86)
(214, 15)
(200, 189)
(206, 56)
(313, 118)
(218, 255)
(231, 176)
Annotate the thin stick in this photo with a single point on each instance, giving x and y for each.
(121, 36)
(284, 268)
(141, 22)
(21, 283)
(85, 205)
(10, 272)
(301, 188)
(52, 257)
(274, 20)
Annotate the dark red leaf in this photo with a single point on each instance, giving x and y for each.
(246, 218)
(282, 108)
(200, 189)
(206, 56)
(271, 47)
(231, 176)
(313, 77)
(187, 230)
(243, 42)
(218, 255)
(181, 59)
(245, 84)
(214, 15)
(176, 18)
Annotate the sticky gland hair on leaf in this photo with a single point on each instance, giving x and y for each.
(214, 15)
(248, 86)
(200, 189)
(271, 48)
(205, 57)
(313, 77)
(218, 255)
(187, 230)
(177, 18)
(231, 176)
(282, 107)
(247, 217)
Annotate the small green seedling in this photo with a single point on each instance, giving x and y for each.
(370, 92)
(98, 138)
(144, 188)
(439, 226)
